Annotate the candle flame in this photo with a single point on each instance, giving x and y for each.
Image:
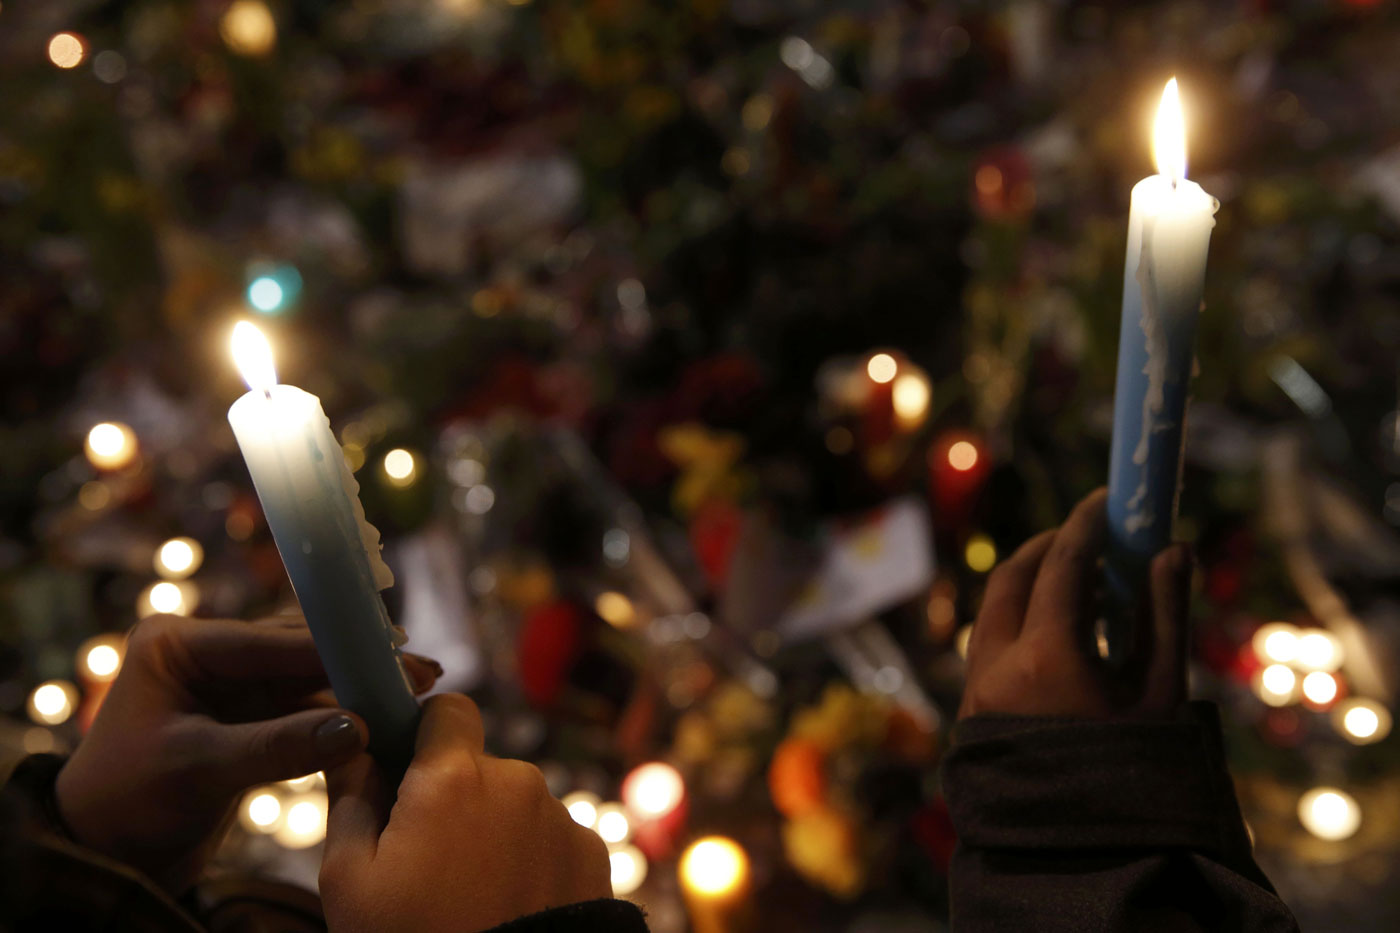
(252, 354)
(1169, 135)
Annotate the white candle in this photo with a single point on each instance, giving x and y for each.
(1164, 275)
(312, 505)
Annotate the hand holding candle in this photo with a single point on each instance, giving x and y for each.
(1164, 275)
(331, 553)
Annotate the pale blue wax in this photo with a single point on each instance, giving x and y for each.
(311, 502)
(1164, 276)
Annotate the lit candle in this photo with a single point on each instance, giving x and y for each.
(331, 553)
(715, 883)
(1168, 236)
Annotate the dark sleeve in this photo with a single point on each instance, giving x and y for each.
(605, 915)
(1104, 826)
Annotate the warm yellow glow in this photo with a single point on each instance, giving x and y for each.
(1276, 643)
(882, 368)
(1362, 721)
(714, 866)
(1276, 684)
(248, 28)
(1169, 134)
(911, 397)
(1319, 650)
(111, 445)
(613, 824)
(306, 782)
(1320, 687)
(962, 456)
(67, 50)
(653, 789)
(400, 466)
(52, 702)
(582, 807)
(169, 598)
(980, 553)
(961, 640)
(252, 354)
(305, 822)
(1329, 813)
(261, 811)
(100, 658)
(615, 609)
(629, 870)
(178, 558)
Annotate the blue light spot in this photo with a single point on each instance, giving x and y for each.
(265, 294)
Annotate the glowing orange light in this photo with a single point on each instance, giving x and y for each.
(963, 456)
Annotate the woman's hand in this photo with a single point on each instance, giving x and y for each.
(471, 842)
(202, 710)
(1032, 651)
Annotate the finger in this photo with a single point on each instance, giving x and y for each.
(243, 754)
(1066, 579)
(220, 649)
(1170, 586)
(282, 620)
(450, 723)
(1008, 591)
(359, 810)
(423, 671)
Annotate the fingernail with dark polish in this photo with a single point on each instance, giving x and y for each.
(424, 659)
(337, 736)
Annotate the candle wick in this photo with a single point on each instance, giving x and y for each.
(267, 394)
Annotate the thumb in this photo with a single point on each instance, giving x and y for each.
(1170, 589)
(358, 813)
(288, 747)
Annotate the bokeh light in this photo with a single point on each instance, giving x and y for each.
(910, 397)
(167, 598)
(963, 456)
(1320, 688)
(110, 445)
(613, 824)
(653, 789)
(248, 28)
(629, 869)
(1319, 650)
(882, 368)
(261, 811)
(52, 702)
(67, 50)
(980, 554)
(100, 658)
(615, 609)
(401, 467)
(1276, 685)
(1362, 721)
(1275, 643)
(178, 558)
(582, 807)
(304, 823)
(714, 866)
(1329, 813)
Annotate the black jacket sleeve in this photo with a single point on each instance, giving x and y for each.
(606, 915)
(1101, 826)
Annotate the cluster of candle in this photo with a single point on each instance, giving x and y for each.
(292, 812)
(647, 825)
(1305, 664)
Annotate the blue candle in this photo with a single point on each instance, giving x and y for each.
(331, 553)
(1164, 275)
